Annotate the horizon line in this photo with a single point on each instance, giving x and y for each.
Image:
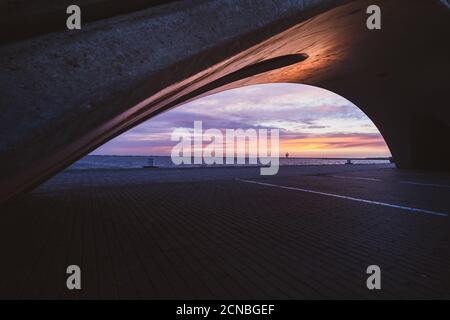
(324, 158)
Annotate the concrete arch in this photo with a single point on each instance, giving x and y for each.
(64, 94)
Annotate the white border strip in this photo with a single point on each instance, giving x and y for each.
(435, 213)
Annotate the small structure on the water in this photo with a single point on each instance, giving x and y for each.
(349, 161)
(150, 163)
(287, 155)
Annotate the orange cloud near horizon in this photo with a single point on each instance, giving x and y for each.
(336, 146)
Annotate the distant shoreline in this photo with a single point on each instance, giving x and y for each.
(300, 158)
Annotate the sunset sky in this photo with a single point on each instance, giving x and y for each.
(313, 122)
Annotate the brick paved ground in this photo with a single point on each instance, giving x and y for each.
(200, 233)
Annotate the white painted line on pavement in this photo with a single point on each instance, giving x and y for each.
(358, 178)
(426, 184)
(435, 213)
(405, 182)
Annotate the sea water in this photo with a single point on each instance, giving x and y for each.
(129, 162)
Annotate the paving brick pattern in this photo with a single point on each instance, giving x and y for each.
(202, 234)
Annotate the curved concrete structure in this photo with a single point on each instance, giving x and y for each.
(65, 93)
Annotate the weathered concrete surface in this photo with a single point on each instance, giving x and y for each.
(20, 19)
(65, 93)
